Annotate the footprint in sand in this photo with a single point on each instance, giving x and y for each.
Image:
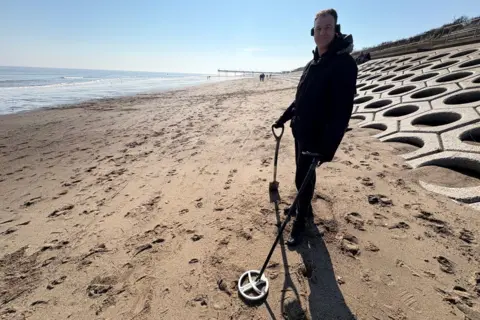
(71, 183)
(400, 225)
(98, 249)
(145, 207)
(438, 226)
(56, 282)
(199, 203)
(349, 245)
(467, 236)
(371, 247)
(446, 265)
(379, 199)
(61, 211)
(367, 182)
(54, 245)
(356, 219)
(172, 173)
(134, 144)
(9, 231)
(266, 162)
(230, 179)
(100, 286)
(31, 202)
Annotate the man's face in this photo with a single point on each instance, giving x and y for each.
(324, 30)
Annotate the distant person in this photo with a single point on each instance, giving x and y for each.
(321, 110)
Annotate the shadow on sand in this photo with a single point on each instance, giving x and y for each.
(325, 300)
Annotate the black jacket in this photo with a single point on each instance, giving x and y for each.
(324, 99)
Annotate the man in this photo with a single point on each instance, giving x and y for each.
(322, 107)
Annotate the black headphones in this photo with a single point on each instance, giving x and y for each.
(337, 30)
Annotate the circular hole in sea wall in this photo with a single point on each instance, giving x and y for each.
(436, 119)
(401, 111)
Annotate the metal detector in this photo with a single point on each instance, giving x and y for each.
(253, 284)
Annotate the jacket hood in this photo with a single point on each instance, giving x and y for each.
(342, 43)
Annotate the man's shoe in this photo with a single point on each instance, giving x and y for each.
(296, 236)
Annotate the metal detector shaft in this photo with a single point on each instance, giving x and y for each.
(284, 224)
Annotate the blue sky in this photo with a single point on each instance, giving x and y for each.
(199, 36)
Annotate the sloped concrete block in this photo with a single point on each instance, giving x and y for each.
(449, 64)
(465, 195)
(458, 99)
(465, 64)
(386, 78)
(366, 117)
(403, 78)
(402, 111)
(471, 82)
(431, 93)
(438, 121)
(376, 105)
(440, 112)
(438, 56)
(453, 77)
(464, 52)
(382, 87)
(363, 100)
(428, 143)
(403, 90)
(466, 138)
(386, 127)
(465, 160)
(425, 77)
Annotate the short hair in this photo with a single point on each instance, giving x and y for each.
(331, 12)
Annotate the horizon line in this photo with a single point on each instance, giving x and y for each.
(90, 69)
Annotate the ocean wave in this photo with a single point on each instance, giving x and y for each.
(105, 81)
(22, 82)
(73, 78)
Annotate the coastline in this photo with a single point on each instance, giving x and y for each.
(71, 86)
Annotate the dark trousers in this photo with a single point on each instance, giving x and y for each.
(303, 163)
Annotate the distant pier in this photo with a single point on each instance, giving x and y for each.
(246, 73)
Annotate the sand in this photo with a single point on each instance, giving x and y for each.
(150, 207)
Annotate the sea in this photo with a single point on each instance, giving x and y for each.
(28, 88)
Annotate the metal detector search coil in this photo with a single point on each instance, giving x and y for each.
(250, 287)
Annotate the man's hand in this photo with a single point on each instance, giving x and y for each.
(315, 155)
(278, 125)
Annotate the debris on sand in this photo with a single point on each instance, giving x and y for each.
(142, 248)
(446, 265)
(379, 199)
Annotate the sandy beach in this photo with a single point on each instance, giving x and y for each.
(152, 206)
